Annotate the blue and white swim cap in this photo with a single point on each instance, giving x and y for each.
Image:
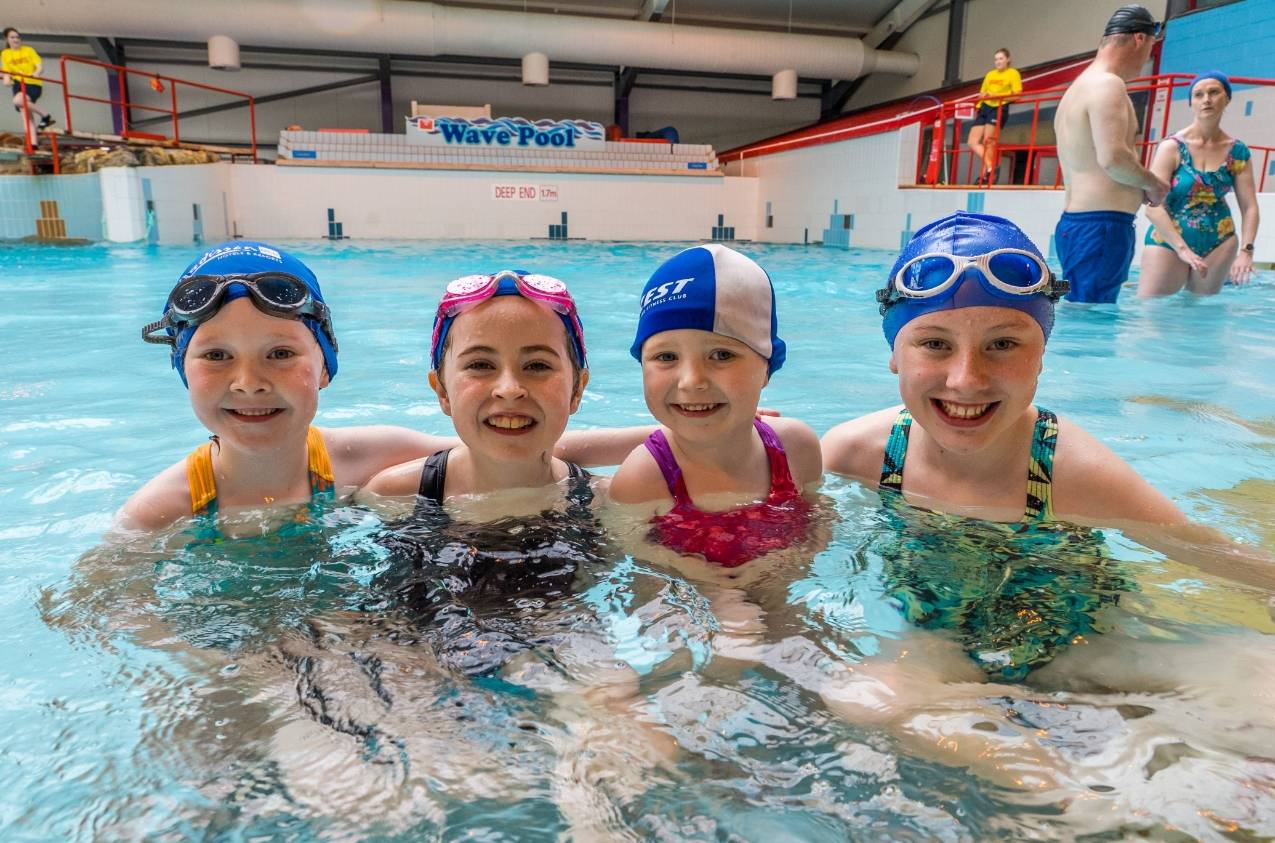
(966, 235)
(246, 257)
(712, 288)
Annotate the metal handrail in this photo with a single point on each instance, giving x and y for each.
(122, 105)
(959, 110)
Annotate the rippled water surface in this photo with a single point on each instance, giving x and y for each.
(299, 686)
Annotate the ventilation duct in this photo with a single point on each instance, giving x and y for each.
(428, 29)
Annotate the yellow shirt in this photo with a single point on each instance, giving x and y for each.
(23, 60)
(998, 83)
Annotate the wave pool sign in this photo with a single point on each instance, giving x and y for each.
(508, 132)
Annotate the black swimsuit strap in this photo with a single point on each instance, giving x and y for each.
(434, 477)
(434, 482)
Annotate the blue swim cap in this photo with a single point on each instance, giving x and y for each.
(966, 235)
(712, 288)
(245, 257)
(1212, 74)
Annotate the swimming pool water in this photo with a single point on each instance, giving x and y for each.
(143, 691)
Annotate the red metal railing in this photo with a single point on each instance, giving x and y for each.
(123, 107)
(157, 82)
(950, 162)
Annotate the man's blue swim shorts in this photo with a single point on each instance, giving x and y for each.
(1095, 249)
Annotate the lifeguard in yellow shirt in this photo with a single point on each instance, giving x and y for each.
(1000, 85)
(19, 63)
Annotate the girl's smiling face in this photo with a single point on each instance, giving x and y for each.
(701, 385)
(507, 379)
(254, 378)
(967, 375)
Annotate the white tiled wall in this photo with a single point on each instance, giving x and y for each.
(285, 202)
(79, 201)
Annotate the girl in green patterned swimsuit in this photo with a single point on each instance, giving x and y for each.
(1191, 242)
(968, 309)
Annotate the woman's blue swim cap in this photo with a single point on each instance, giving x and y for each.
(965, 235)
(1217, 75)
(245, 257)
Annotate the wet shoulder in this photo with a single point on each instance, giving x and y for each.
(163, 500)
(856, 448)
(638, 479)
(801, 446)
(1092, 485)
(397, 481)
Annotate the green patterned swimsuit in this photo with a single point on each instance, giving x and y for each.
(1014, 595)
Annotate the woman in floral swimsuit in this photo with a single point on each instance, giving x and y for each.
(1194, 228)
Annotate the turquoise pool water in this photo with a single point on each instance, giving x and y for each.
(148, 695)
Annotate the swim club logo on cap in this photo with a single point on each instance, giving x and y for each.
(712, 288)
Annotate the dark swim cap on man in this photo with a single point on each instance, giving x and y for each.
(244, 258)
(1217, 75)
(969, 260)
(1131, 20)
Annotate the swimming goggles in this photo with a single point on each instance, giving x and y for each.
(1007, 272)
(472, 290)
(197, 299)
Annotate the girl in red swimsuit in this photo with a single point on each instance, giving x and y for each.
(707, 342)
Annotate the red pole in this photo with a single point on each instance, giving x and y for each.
(1030, 176)
(172, 89)
(53, 144)
(66, 94)
(123, 100)
(28, 128)
(252, 122)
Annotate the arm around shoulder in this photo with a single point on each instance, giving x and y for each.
(360, 453)
(396, 481)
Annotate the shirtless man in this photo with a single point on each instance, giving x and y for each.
(1096, 129)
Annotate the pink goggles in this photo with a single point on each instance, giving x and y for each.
(472, 290)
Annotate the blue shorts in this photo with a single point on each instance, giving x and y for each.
(1095, 249)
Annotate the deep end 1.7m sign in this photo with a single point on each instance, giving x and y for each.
(506, 132)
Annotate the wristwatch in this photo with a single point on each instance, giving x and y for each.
(1248, 247)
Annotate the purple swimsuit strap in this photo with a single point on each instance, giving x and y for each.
(780, 476)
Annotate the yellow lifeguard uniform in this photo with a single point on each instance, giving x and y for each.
(998, 84)
(23, 62)
(203, 486)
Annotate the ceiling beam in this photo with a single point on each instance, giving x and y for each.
(897, 21)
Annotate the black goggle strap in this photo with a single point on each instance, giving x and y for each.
(148, 332)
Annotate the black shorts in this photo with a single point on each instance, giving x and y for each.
(986, 115)
(33, 91)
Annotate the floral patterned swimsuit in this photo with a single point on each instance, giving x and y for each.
(1197, 200)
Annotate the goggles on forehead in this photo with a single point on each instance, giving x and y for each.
(471, 290)
(198, 298)
(1004, 272)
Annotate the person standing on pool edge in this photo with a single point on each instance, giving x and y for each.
(1096, 129)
